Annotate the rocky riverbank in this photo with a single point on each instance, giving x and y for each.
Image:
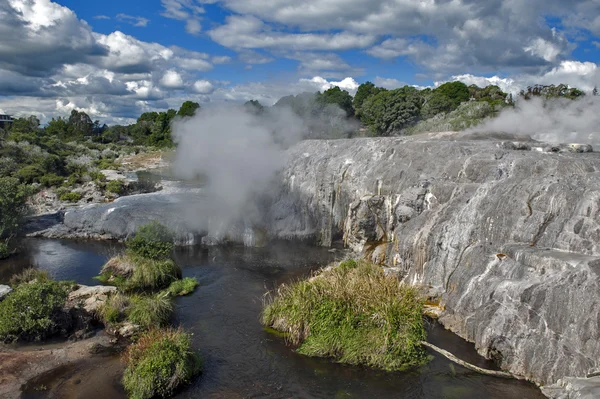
(502, 231)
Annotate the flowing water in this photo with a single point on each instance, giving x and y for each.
(241, 359)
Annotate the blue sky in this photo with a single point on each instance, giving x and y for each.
(116, 59)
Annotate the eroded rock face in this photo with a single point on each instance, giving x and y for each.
(507, 236)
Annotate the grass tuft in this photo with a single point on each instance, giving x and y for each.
(354, 314)
(150, 311)
(183, 287)
(136, 273)
(158, 363)
(114, 309)
(29, 275)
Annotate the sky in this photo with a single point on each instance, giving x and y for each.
(115, 59)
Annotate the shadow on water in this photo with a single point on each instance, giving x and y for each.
(243, 360)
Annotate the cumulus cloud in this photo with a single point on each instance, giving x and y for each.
(203, 87)
(172, 80)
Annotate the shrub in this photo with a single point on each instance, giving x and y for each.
(150, 311)
(70, 197)
(153, 241)
(51, 180)
(115, 186)
(29, 275)
(4, 252)
(183, 287)
(30, 174)
(104, 164)
(354, 314)
(158, 363)
(26, 313)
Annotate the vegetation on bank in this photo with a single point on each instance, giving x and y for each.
(352, 313)
(158, 363)
(29, 312)
(182, 287)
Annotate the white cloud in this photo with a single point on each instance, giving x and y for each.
(188, 11)
(322, 84)
(106, 17)
(388, 83)
(203, 87)
(140, 22)
(171, 80)
(507, 85)
(254, 57)
(221, 59)
(248, 32)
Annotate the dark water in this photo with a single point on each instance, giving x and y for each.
(241, 359)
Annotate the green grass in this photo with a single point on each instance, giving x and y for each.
(136, 273)
(27, 313)
(150, 311)
(183, 287)
(353, 314)
(159, 363)
(114, 309)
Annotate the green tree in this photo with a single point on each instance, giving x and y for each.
(13, 197)
(457, 92)
(391, 111)
(80, 124)
(364, 91)
(57, 128)
(338, 97)
(188, 108)
(26, 125)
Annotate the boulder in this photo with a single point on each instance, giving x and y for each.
(4, 291)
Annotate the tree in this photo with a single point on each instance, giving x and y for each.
(364, 91)
(188, 108)
(80, 124)
(26, 125)
(457, 92)
(338, 97)
(595, 91)
(391, 111)
(551, 91)
(57, 128)
(13, 197)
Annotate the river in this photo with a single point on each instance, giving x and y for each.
(241, 359)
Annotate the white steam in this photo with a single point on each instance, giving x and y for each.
(238, 153)
(556, 121)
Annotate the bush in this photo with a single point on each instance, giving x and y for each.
(51, 180)
(115, 186)
(30, 174)
(70, 197)
(354, 314)
(105, 164)
(182, 287)
(150, 311)
(153, 241)
(4, 252)
(26, 313)
(29, 275)
(158, 363)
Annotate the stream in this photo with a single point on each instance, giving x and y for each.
(241, 359)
